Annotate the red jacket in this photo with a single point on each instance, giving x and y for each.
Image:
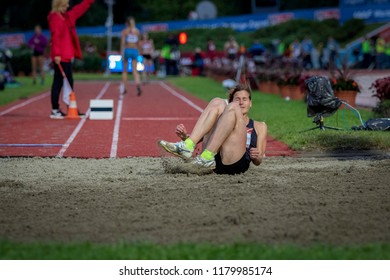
(64, 40)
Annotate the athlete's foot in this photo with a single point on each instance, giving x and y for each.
(122, 89)
(177, 149)
(203, 163)
(139, 91)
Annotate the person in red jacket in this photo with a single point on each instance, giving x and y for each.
(64, 45)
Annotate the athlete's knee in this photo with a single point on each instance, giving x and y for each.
(217, 101)
(232, 107)
(217, 104)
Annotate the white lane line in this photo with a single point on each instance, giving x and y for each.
(36, 98)
(183, 98)
(80, 125)
(115, 135)
(30, 145)
(158, 119)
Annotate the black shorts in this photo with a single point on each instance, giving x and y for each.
(37, 53)
(147, 56)
(236, 168)
(232, 56)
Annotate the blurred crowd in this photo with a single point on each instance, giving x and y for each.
(369, 53)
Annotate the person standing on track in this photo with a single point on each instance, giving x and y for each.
(38, 43)
(231, 140)
(231, 48)
(64, 45)
(147, 50)
(130, 48)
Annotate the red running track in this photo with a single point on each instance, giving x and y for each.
(139, 122)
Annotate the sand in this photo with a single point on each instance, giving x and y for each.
(300, 201)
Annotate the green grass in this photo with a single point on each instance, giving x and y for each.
(26, 88)
(23, 89)
(286, 120)
(125, 251)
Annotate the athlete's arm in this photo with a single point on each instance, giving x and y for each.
(257, 154)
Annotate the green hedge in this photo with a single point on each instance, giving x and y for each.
(21, 60)
(318, 31)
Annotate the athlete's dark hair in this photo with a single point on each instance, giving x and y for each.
(237, 88)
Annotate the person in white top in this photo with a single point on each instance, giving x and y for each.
(130, 49)
(147, 51)
(231, 48)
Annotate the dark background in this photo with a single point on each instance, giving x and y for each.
(17, 15)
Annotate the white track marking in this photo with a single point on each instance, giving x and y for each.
(158, 119)
(115, 135)
(183, 98)
(81, 123)
(36, 98)
(31, 145)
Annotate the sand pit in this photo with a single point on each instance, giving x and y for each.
(299, 201)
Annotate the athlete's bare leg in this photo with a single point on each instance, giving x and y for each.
(208, 119)
(124, 75)
(229, 135)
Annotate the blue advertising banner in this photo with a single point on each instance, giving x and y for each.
(370, 11)
(354, 3)
(370, 14)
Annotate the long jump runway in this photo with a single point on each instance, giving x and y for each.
(139, 122)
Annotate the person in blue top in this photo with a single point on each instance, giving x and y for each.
(231, 140)
(130, 49)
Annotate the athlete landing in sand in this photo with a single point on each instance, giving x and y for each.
(231, 140)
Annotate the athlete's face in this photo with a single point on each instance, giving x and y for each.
(243, 100)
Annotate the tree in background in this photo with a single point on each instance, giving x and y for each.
(16, 15)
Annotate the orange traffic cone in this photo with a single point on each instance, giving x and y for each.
(73, 113)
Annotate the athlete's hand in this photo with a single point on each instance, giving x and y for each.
(255, 154)
(181, 132)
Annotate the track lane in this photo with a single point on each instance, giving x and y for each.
(27, 130)
(93, 140)
(153, 116)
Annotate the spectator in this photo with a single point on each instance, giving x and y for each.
(296, 52)
(333, 49)
(90, 48)
(197, 63)
(315, 58)
(147, 51)
(380, 46)
(356, 55)
(367, 52)
(231, 48)
(38, 43)
(172, 59)
(256, 51)
(211, 48)
(387, 53)
(307, 48)
(280, 49)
